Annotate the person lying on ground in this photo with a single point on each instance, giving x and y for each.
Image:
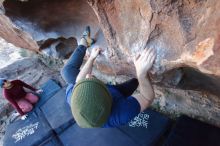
(21, 100)
(94, 104)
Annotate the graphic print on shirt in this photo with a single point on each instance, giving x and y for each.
(141, 120)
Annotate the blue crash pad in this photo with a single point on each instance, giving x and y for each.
(57, 112)
(147, 128)
(35, 122)
(76, 136)
(49, 89)
(52, 124)
(31, 131)
(191, 132)
(52, 141)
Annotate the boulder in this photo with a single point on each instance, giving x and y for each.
(184, 33)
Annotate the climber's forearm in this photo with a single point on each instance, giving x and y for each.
(87, 69)
(146, 89)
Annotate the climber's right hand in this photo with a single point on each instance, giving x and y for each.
(144, 61)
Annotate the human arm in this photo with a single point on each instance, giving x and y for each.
(87, 68)
(143, 62)
(38, 91)
(26, 85)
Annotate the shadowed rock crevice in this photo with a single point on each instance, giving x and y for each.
(195, 80)
(187, 78)
(60, 48)
(45, 19)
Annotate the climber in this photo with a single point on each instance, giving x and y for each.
(21, 100)
(94, 104)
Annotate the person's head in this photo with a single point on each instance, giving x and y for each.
(4, 83)
(91, 102)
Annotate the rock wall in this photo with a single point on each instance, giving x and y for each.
(12, 34)
(45, 19)
(184, 32)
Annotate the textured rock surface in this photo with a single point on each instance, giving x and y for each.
(60, 48)
(51, 18)
(198, 105)
(184, 33)
(13, 35)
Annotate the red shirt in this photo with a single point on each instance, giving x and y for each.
(16, 92)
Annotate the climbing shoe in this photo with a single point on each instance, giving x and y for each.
(86, 39)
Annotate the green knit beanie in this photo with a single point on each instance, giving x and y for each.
(90, 103)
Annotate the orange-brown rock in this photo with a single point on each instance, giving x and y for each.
(15, 36)
(184, 32)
